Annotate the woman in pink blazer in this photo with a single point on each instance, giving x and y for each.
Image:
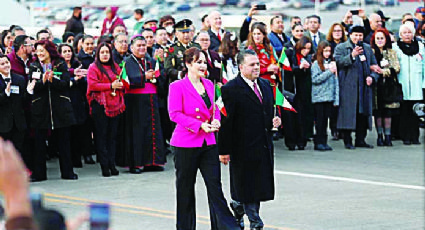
(191, 107)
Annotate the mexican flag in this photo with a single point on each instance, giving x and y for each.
(123, 76)
(219, 102)
(223, 74)
(281, 101)
(157, 71)
(284, 62)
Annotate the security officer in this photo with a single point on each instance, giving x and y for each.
(174, 64)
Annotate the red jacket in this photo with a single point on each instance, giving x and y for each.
(266, 59)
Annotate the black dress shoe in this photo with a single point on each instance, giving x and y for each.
(35, 179)
(380, 140)
(364, 145)
(387, 141)
(114, 171)
(349, 146)
(320, 147)
(105, 171)
(301, 147)
(153, 168)
(416, 142)
(70, 177)
(89, 160)
(407, 142)
(276, 136)
(135, 170)
(238, 212)
(291, 148)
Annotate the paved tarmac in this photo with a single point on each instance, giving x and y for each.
(343, 189)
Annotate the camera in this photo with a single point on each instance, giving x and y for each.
(359, 43)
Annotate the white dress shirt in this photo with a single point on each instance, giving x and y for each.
(251, 84)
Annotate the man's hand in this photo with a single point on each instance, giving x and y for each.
(357, 51)
(225, 159)
(362, 14)
(273, 68)
(252, 11)
(276, 122)
(369, 81)
(150, 74)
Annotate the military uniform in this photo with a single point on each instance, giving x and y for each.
(174, 63)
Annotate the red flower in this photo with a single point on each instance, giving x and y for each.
(171, 49)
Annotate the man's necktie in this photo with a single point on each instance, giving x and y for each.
(257, 92)
(218, 35)
(314, 40)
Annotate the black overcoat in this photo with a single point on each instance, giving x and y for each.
(246, 136)
(12, 107)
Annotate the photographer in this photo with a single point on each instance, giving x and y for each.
(355, 61)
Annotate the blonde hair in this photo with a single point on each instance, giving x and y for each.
(407, 26)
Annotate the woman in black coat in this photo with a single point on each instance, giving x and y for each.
(298, 127)
(51, 108)
(86, 54)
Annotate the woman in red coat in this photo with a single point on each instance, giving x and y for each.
(106, 99)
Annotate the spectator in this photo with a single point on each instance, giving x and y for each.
(87, 55)
(277, 37)
(51, 109)
(21, 58)
(161, 39)
(213, 58)
(6, 42)
(120, 50)
(216, 32)
(111, 20)
(74, 24)
(314, 23)
(42, 35)
(420, 32)
(387, 91)
(205, 26)
(405, 17)
(419, 15)
(383, 18)
(325, 92)
(105, 96)
(246, 26)
(336, 35)
(375, 22)
(297, 34)
(354, 61)
(138, 16)
(16, 31)
(119, 29)
(78, 43)
(68, 37)
(168, 23)
(410, 53)
(148, 34)
(294, 20)
(228, 51)
(151, 24)
(347, 22)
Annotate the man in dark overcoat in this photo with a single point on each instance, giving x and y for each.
(356, 73)
(245, 137)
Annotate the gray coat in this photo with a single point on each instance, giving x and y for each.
(354, 93)
(325, 87)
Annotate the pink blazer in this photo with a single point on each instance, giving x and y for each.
(187, 108)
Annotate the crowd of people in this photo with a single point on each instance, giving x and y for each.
(132, 96)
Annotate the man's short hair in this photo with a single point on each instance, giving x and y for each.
(19, 41)
(139, 11)
(243, 53)
(273, 18)
(295, 17)
(77, 8)
(43, 31)
(315, 16)
(16, 28)
(119, 34)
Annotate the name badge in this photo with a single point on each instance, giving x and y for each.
(27, 70)
(217, 64)
(362, 57)
(36, 75)
(384, 63)
(14, 89)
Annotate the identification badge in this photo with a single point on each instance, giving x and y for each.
(384, 63)
(14, 89)
(362, 57)
(36, 75)
(27, 70)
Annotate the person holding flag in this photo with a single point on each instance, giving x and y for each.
(143, 138)
(105, 95)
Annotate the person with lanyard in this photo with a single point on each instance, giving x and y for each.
(191, 106)
(144, 145)
(174, 64)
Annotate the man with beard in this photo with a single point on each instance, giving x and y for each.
(74, 24)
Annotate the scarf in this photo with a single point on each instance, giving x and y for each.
(409, 49)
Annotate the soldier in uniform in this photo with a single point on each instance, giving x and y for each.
(174, 64)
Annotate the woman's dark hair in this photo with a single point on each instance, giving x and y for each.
(387, 39)
(319, 54)
(266, 42)
(302, 43)
(60, 47)
(4, 56)
(229, 48)
(3, 36)
(419, 28)
(105, 38)
(329, 36)
(51, 49)
(109, 63)
(192, 55)
(77, 38)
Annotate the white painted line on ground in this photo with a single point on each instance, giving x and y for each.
(351, 180)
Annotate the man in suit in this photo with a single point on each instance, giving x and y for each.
(245, 138)
(174, 64)
(314, 23)
(213, 58)
(216, 32)
(12, 94)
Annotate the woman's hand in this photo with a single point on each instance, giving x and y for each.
(208, 128)
(304, 65)
(332, 67)
(216, 124)
(117, 84)
(31, 85)
(276, 122)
